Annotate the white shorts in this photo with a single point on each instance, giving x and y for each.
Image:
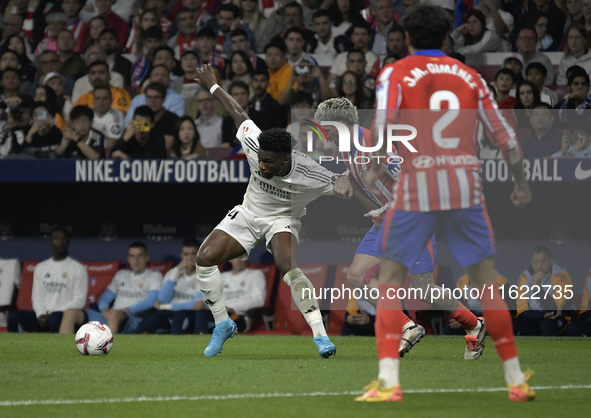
(249, 230)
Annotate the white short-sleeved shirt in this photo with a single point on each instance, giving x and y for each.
(130, 288)
(285, 196)
(186, 287)
(110, 125)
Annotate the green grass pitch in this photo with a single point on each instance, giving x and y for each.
(271, 376)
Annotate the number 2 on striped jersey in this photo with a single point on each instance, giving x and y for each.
(446, 119)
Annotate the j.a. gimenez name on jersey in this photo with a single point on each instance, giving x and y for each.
(287, 195)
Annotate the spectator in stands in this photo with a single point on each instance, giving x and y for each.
(253, 19)
(396, 42)
(244, 292)
(186, 38)
(189, 62)
(504, 82)
(70, 62)
(356, 64)
(186, 144)
(527, 39)
(99, 75)
(10, 59)
(209, 125)
(117, 64)
(536, 73)
(577, 144)
(28, 71)
(147, 20)
(576, 52)
(138, 141)
(453, 327)
(583, 326)
(555, 26)
(578, 98)
(206, 42)
(324, 42)
(12, 25)
(96, 25)
(264, 103)
(132, 294)
(108, 121)
(543, 141)
(294, 44)
(164, 55)
(71, 9)
(151, 39)
(123, 9)
(527, 97)
(383, 12)
(222, 25)
(544, 315)
(44, 137)
(47, 94)
(80, 140)
(56, 21)
(309, 78)
(279, 70)
(239, 69)
(473, 36)
(574, 14)
(360, 36)
(201, 17)
(239, 41)
(497, 19)
(59, 283)
(360, 318)
(343, 13)
(12, 139)
(540, 21)
(112, 21)
(290, 14)
(350, 86)
(240, 91)
(173, 101)
(49, 62)
(179, 298)
(164, 120)
(56, 81)
(33, 21)
(82, 86)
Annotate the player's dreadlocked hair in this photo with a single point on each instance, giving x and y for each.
(431, 35)
(276, 140)
(336, 109)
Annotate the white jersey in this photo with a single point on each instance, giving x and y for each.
(186, 287)
(285, 196)
(59, 285)
(111, 124)
(130, 288)
(245, 290)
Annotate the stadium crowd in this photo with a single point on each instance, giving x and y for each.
(115, 79)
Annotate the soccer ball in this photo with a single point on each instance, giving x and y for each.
(94, 339)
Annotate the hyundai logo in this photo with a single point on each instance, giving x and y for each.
(423, 162)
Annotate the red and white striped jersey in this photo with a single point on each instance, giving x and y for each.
(446, 101)
(359, 164)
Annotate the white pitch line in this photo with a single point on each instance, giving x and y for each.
(259, 395)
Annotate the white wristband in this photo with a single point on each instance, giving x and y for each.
(214, 88)
(165, 307)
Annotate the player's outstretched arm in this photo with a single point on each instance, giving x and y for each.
(521, 195)
(206, 79)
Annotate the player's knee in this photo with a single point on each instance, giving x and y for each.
(355, 277)
(206, 258)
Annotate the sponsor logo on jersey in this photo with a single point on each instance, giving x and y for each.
(423, 162)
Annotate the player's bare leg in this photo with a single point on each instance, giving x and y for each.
(284, 248)
(71, 320)
(500, 328)
(217, 248)
(357, 276)
(388, 334)
(474, 327)
(115, 319)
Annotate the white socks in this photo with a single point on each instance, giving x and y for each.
(302, 293)
(388, 375)
(210, 284)
(513, 374)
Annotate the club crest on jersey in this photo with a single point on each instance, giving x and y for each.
(65, 275)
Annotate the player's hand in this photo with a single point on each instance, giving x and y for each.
(376, 213)
(183, 265)
(521, 195)
(119, 155)
(343, 189)
(565, 143)
(157, 305)
(538, 277)
(206, 77)
(556, 315)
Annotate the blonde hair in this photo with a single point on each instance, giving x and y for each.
(335, 109)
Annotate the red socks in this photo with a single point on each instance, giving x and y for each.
(465, 317)
(389, 321)
(498, 322)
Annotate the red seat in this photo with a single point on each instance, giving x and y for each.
(338, 307)
(100, 274)
(287, 315)
(23, 300)
(266, 312)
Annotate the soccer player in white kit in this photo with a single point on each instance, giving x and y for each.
(282, 183)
